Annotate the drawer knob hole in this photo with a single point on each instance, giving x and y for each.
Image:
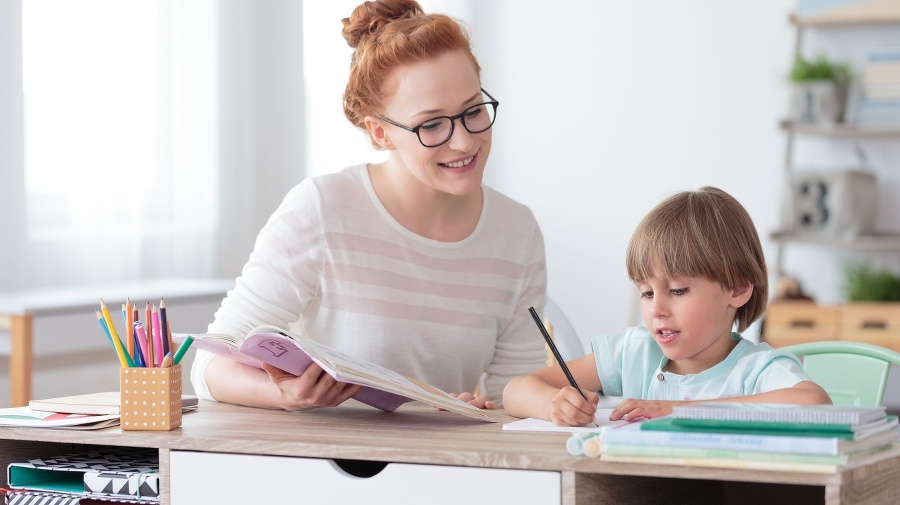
(360, 468)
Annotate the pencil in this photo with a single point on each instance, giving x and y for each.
(129, 327)
(164, 327)
(123, 357)
(148, 328)
(158, 351)
(559, 359)
(167, 361)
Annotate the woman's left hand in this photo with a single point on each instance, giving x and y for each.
(482, 402)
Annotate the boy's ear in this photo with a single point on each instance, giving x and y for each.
(741, 294)
(378, 132)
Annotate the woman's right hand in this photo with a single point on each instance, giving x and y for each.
(313, 389)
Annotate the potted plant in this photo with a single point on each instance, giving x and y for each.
(819, 90)
(872, 313)
(864, 283)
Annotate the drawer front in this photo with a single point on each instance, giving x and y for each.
(790, 323)
(875, 323)
(197, 477)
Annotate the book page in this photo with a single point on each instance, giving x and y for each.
(293, 354)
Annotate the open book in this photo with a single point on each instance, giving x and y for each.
(383, 388)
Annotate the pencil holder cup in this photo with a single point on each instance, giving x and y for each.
(150, 398)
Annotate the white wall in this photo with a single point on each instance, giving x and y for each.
(607, 107)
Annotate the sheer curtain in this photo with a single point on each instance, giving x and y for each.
(153, 138)
(120, 139)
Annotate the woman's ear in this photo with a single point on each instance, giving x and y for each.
(378, 132)
(741, 294)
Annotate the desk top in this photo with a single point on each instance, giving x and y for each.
(77, 298)
(415, 433)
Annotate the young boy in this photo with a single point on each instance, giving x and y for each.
(699, 268)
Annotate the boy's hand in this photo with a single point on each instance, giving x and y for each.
(632, 410)
(569, 408)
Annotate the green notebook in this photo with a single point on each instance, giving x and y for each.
(845, 431)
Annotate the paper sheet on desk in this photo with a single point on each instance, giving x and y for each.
(532, 424)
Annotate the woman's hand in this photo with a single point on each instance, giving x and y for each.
(313, 389)
(633, 410)
(482, 402)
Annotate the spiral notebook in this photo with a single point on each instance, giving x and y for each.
(780, 413)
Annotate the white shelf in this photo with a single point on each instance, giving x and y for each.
(839, 130)
(880, 242)
(857, 13)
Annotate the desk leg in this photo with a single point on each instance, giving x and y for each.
(164, 477)
(20, 360)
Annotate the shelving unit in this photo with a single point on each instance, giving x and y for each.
(865, 12)
(792, 322)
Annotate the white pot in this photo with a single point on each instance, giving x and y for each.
(819, 101)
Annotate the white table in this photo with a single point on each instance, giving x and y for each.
(19, 308)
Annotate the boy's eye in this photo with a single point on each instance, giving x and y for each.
(679, 291)
(647, 294)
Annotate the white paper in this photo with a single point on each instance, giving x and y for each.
(601, 418)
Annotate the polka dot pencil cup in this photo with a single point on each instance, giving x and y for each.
(151, 398)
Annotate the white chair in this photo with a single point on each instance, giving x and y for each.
(568, 343)
(562, 331)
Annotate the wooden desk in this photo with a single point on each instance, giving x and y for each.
(19, 309)
(422, 436)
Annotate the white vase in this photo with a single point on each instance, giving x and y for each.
(820, 101)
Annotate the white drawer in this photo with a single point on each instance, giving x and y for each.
(197, 477)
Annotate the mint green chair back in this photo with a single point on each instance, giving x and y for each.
(852, 373)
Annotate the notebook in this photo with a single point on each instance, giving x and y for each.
(95, 403)
(781, 413)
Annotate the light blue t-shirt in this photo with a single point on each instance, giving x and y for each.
(630, 365)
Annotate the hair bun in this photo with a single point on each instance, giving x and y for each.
(370, 18)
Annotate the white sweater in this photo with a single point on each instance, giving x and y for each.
(333, 264)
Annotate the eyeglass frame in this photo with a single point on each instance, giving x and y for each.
(461, 116)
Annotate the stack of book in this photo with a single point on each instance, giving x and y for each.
(879, 105)
(813, 439)
(110, 476)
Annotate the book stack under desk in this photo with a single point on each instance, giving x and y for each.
(814, 439)
(110, 476)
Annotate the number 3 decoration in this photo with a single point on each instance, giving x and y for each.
(840, 204)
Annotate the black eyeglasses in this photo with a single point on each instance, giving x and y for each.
(438, 130)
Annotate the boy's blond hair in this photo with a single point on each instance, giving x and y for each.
(704, 233)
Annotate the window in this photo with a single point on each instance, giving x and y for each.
(120, 118)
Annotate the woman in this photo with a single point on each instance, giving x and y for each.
(411, 263)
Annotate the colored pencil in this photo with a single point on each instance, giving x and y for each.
(142, 342)
(123, 357)
(158, 351)
(148, 327)
(164, 327)
(183, 349)
(129, 327)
